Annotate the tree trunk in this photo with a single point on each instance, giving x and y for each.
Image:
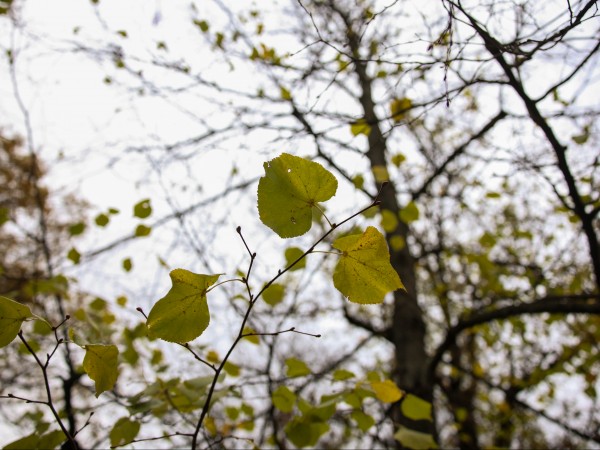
(407, 331)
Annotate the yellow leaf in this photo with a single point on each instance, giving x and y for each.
(386, 391)
(399, 108)
(360, 127)
(253, 338)
(364, 273)
(291, 188)
(100, 363)
(416, 408)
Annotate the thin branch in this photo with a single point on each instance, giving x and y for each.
(457, 152)
(567, 304)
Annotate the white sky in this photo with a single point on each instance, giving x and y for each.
(76, 114)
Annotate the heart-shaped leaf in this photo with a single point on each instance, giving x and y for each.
(12, 315)
(182, 315)
(288, 192)
(100, 363)
(364, 273)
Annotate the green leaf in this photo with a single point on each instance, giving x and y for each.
(397, 243)
(232, 412)
(77, 229)
(102, 220)
(202, 24)
(296, 368)
(398, 159)
(124, 431)
(142, 209)
(389, 221)
(74, 255)
(493, 195)
(274, 294)
(304, 431)
(399, 108)
(142, 230)
(100, 363)
(252, 337)
(364, 421)
(127, 264)
(409, 213)
(358, 181)
(231, 369)
(285, 94)
(24, 443)
(582, 138)
(52, 439)
(380, 173)
(342, 374)
(360, 127)
(12, 315)
(284, 399)
(416, 408)
(386, 391)
(414, 439)
(364, 273)
(182, 315)
(288, 192)
(291, 255)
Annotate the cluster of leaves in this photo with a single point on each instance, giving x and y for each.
(289, 195)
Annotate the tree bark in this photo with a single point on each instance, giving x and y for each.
(407, 331)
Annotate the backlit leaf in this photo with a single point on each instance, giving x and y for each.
(202, 24)
(274, 294)
(380, 173)
(12, 315)
(364, 421)
(251, 337)
(77, 229)
(231, 369)
(100, 363)
(124, 431)
(284, 399)
(305, 431)
(399, 108)
(142, 209)
(102, 220)
(74, 255)
(52, 439)
(398, 159)
(285, 94)
(182, 315)
(127, 264)
(291, 255)
(397, 243)
(142, 230)
(386, 391)
(389, 221)
(364, 273)
(342, 374)
(409, 213)
(296, 368)
(360, 127)
(416, 408)
(358, 181)
(288, 192)
(414, 439)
